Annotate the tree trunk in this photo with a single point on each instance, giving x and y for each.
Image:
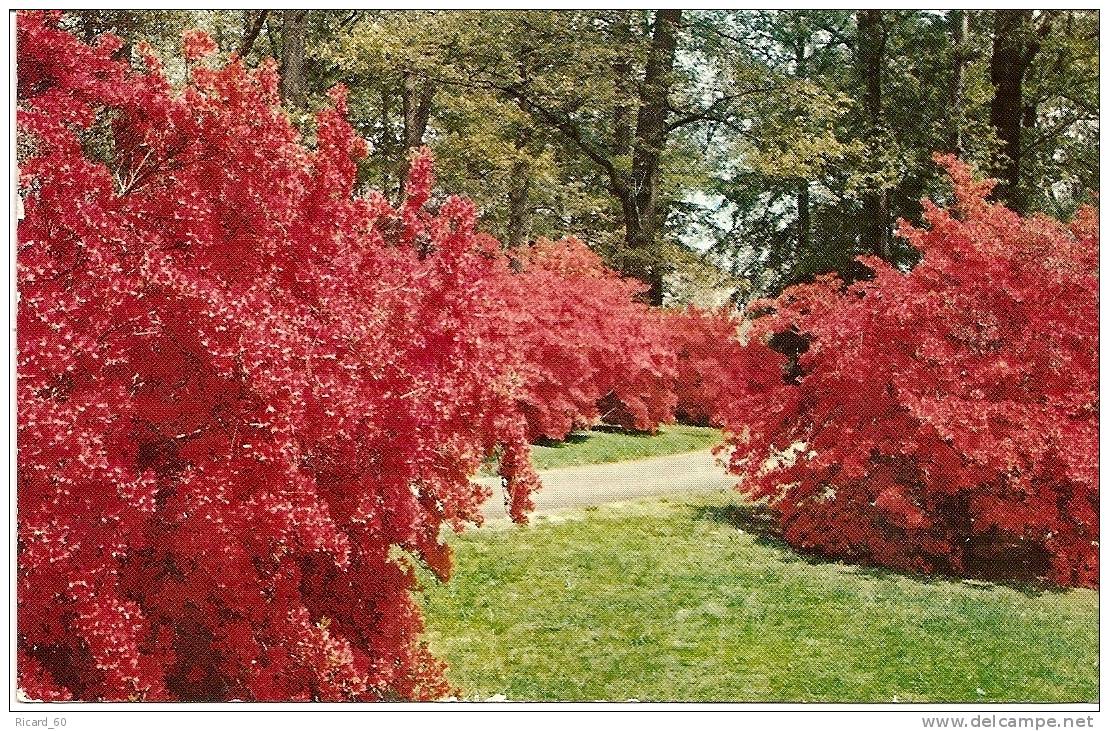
(253, 20)
(416, 100)
(1015, 44)
(294, 29)
(416, 97)
(640, 200)
(871, 51)
(387, 144)
(803, 217)
(960, 30)
(519, 186)
(624, 83)
(642, 260)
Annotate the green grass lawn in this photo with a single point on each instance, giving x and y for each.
(598, 447)
(688, 599)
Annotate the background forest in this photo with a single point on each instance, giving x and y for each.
(714, 154)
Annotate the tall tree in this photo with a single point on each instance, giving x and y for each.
(639, 194)
(519, 190)
(294, 29)
(781, 181)
(1060, 139)
(630, 150)
(961, 55)
(610, 86)
(625, 113)
(804, 216)
(870, 55)
(1016, 41)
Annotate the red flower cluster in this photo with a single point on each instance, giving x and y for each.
(940, 420)
(586, 348)
(247, 399)
(708, 351)
(196, 45)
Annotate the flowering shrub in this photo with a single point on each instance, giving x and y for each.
(940, 420)
(196, 45)
(708, 352)
(586, 348)
(245, 395)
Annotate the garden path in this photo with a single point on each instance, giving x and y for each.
(578, 487)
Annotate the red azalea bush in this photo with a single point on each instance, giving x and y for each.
(587, 348)
(944, 419)
(244, 394)
(708, 353)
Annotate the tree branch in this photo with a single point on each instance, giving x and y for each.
(252, 32)
(709, 113)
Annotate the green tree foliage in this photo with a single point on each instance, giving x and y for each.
(1060, 119)
(824, 166)
(408, 91)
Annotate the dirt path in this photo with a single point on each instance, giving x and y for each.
(578, 487)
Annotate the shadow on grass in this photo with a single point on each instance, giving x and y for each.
(627, 431)
(760, 521)
(578, 437)
(571, 439)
